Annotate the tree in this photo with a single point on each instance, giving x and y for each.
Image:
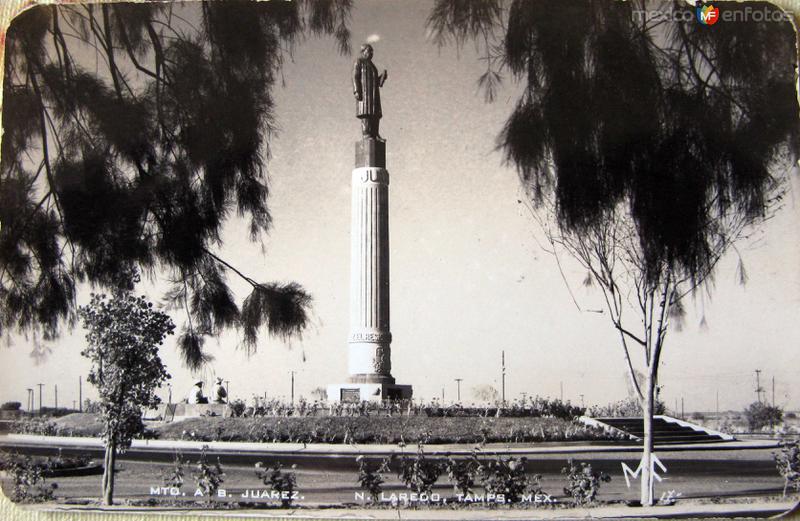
(759, 415)
(132, 134)
(124, 335)
(320, 393)
(647, 143)
(485, 393)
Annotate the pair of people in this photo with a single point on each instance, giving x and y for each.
(219, 395)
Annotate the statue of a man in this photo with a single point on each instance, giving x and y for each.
(366, 88)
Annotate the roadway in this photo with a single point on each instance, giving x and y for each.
(726, 470)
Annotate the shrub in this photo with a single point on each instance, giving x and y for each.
(174, 476)
(583, 482)
(28, 482)
(208, 477)
(463, 473)
(788, 463)
(56, 412)
(624, 409)
(506, 475)
(59, 462)
(10, 406)
(419, 473)
(282, 482)
(237, 408)
(759, 415)
(40, 426)
(370, 478)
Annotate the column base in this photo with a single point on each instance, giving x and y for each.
(368, 392)
(370, 379)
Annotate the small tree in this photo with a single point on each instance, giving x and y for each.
(760, 414)
(209, 476)
(419, 473)
(370, 478)
(485, 393)
(583, 482)
(124, 335)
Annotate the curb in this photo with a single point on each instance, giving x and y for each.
(339, 450)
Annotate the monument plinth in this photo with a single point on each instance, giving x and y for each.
(369, 343)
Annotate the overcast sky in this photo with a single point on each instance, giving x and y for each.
(468, 278)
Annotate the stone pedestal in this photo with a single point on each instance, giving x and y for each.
(369, 343)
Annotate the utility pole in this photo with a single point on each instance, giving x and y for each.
(40, 398)
(55, 391)
(80, 393)
(582, 405)
(228, 391)
(717, 403)
(442, 395)
(503, 384)
(683, 416)
(292, 372)
(169, 394)
(73, 405)
(561, 385)
(458, 389)
(30, 400)
(759, 389)
(773, 391)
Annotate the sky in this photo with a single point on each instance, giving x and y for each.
(468, 277)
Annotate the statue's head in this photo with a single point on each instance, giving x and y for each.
(366, 51)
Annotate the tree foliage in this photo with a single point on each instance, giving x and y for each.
(760, 415)
(673, 122)
(132, 134)
(485, 393)
(124, 333)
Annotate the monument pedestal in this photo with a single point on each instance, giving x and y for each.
(369, 344)
(368, 392)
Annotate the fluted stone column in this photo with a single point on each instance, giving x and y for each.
(369, 342)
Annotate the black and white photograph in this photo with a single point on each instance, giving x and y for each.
(400, 259)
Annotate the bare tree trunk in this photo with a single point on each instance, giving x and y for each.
(108, 473)
(647, 446)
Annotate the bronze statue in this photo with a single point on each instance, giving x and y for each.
(366, 89)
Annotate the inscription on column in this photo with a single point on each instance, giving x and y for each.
(372, 175)
(370, 337)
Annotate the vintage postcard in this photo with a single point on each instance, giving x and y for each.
(457, 259)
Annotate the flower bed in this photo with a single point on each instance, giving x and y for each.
(374, 429)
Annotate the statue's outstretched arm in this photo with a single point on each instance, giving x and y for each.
(383, 77)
